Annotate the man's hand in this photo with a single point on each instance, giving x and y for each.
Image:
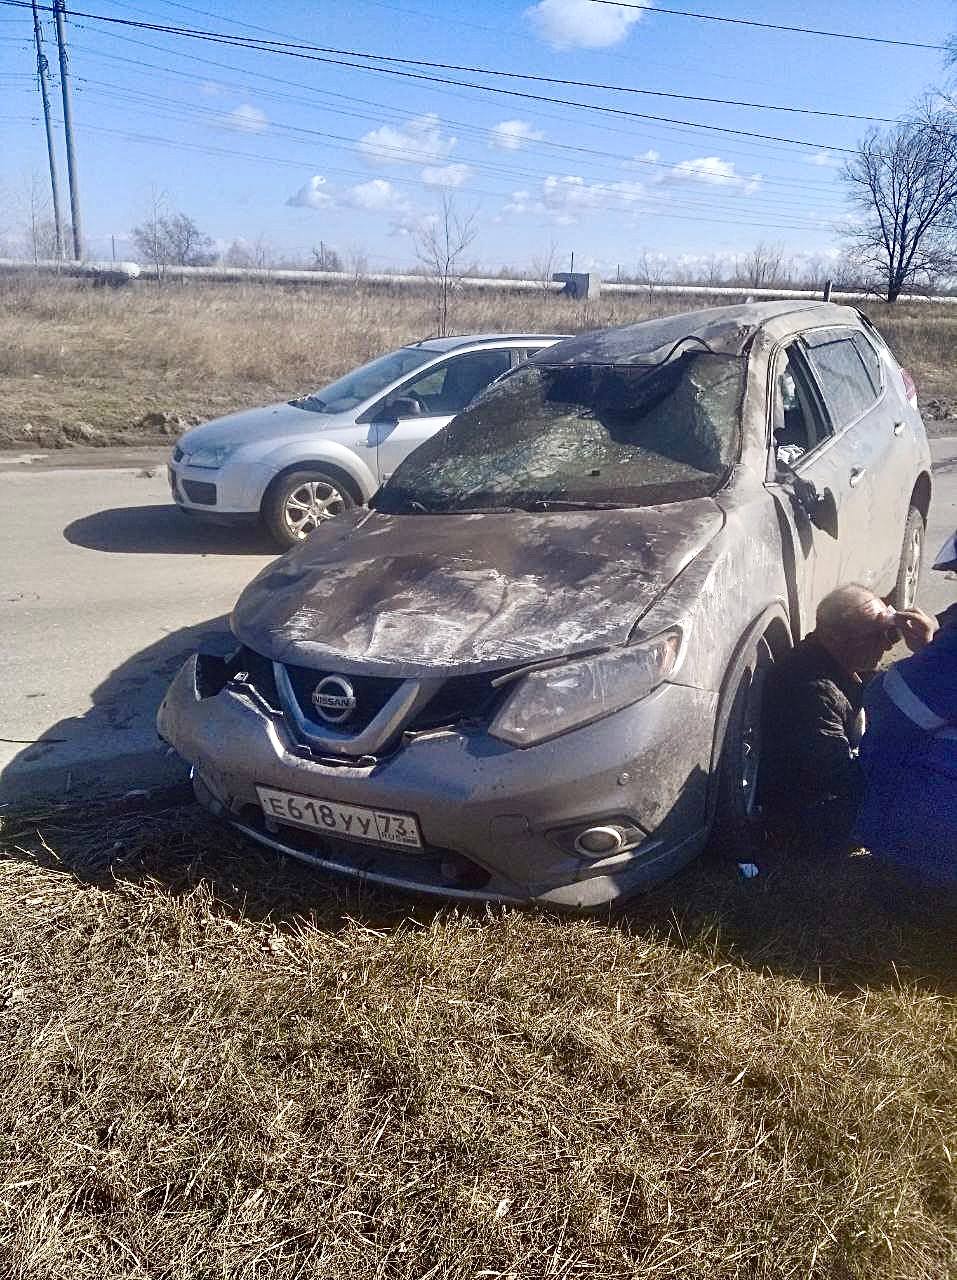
(917, 628)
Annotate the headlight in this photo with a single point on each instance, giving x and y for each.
(552, 701)
(210, 458)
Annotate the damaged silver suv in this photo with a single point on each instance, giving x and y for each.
(532, 670)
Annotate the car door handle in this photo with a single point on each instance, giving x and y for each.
(898, 428)
(857, 475)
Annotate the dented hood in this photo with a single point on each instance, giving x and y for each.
(420, 595)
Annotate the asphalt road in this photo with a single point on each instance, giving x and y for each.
(107, 588)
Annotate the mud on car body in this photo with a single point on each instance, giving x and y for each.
(533, 670)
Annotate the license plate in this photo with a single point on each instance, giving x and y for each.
(374, 826)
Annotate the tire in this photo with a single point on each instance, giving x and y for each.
(299, 501)
(904, 594)
(738, 825)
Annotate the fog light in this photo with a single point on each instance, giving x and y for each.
(600, 842)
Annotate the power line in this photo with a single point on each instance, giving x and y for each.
(177, 144)
(256, 42)
(769, 26)
(754, 146)
(300, 51)
(400, 153)
(722, 201)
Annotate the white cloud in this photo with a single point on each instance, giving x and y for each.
(210, 89)
(642, 161)
(412, 224)
(311, 196)
(565, 199)
(446, 175)
(716, 173)
(247, 119)
(579, 24)
(512, 135)
(419, 141)
(375, 196)
(825, 159)
(378, 195)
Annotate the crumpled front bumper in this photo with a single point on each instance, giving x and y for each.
(476, 799)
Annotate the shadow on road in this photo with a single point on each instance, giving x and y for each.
(163, 529)
(113, 746)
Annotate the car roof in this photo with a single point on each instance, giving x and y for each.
(473, 339)
(726, 330)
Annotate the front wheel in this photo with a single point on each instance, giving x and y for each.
(296, 505)
(904, 595)
(737, 820)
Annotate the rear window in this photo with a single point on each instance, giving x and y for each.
(848, 387)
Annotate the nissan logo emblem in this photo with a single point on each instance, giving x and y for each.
(335, 699)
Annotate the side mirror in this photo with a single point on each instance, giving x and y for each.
(818, 504)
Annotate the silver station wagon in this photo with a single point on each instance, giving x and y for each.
(294, 465)
(533, 670)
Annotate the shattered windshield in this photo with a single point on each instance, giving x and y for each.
(362, 384)
(588, 435)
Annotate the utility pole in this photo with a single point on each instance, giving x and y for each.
(59, 7)
(42, 68)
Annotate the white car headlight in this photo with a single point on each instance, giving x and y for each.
(549, 702)
(211, 458)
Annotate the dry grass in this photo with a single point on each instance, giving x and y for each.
(72, 355)
(216, 1064)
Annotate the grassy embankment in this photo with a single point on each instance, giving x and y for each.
(83, 366)
(215, 1064)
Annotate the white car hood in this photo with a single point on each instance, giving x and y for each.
(257, 425)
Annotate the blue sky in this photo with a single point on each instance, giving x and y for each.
(257, 145)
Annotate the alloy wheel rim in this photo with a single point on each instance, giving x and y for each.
(912, 569)
(309, 505)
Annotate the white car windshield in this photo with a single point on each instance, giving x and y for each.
(365, 382)
(583, 435)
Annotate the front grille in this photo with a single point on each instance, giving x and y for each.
(200, 492)
(460, 698)
(249, 667)
(372, 693)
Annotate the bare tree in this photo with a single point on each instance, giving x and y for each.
(167, 239)
(325, 258)
(715, 270)
(440, 245)
(543, 266)
(358, 264)
(762, 266)
(650, 271)
(244, 253)
(904, 186)
(37, 225)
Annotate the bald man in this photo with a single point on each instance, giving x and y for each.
(811, 780)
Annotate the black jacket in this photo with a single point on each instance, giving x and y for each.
(810, 708)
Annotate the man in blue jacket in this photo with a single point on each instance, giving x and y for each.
(909, 753)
